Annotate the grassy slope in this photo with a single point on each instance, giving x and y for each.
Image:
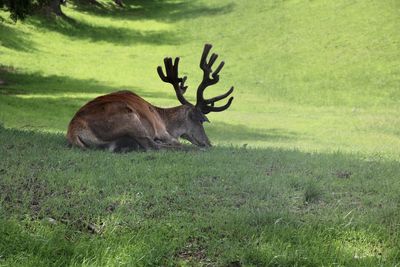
(315, 75)
(318, 76)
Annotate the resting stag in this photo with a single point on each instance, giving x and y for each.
(123, 121)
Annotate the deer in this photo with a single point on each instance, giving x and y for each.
(123, 121)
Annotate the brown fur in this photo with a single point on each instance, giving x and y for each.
(124, 121)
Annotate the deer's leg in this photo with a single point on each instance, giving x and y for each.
(138, 134)
(124, 144)
(81, 136)
(148, 143)
(168, 141)
(131, 143)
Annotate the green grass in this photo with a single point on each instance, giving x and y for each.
(254, 206)
(305, 168)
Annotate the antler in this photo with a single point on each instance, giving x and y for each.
(172, 78)
(207, 105)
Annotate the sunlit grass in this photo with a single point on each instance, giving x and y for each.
(305, 168)
(361, 244)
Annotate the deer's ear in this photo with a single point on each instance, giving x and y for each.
(197, 115)
(204, 118)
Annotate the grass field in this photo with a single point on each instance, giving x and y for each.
(305, 165)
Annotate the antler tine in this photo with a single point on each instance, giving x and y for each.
(207, 105)
(210, 108)
(161, 74)
(213, 58)
(219, 68)
(222, 108)
(182, 85)
(175, 65)
(171, 70)
(220, 97)
(206, 50)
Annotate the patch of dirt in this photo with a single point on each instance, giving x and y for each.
(343, 174)
(10, 69)
(271, 170)
(94, 228)
(25, 193)
(81, 224)
(150, 157)
(234, 264)
(194, 252)
(111, 207)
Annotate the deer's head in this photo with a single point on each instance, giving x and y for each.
(192, 117)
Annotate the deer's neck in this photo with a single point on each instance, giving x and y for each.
(174, 119)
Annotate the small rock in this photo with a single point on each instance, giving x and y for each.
(51, 220)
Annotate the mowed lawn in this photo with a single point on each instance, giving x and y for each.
(305, 165)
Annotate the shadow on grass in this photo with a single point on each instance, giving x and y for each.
(160, 10)
(135, 10)
(14, 39)
(224, 205)
(227, 133)
(19, 83)
(117, 36)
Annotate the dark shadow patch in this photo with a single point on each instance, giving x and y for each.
(20, 83)
(77, 29)
(17, 82)
(133, 10)
(14, 39)
(224, 132)
(160, 10)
